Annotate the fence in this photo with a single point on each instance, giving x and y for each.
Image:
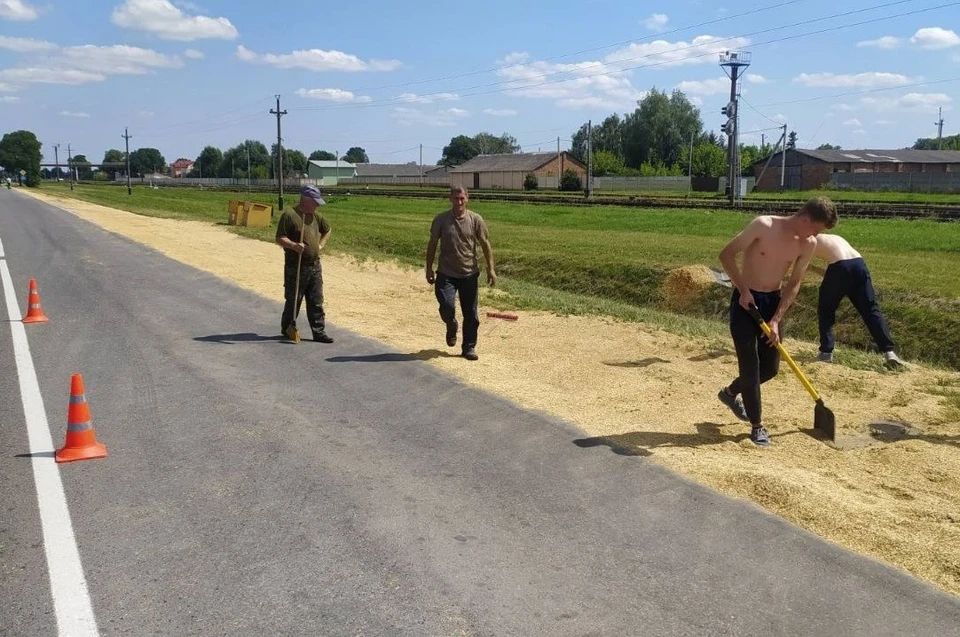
(898, 182)
(653, 184)
(411, 180)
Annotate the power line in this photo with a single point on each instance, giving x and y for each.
(862, 92)
(712, 51)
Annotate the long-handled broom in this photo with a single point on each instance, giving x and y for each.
(823, 418)
(292, 332)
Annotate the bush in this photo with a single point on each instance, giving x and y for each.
(530, 182)
(570, 181)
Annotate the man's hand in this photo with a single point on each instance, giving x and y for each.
(299, 247)
(774, 337)
(746, 299)
(430, 278)
(491, 278)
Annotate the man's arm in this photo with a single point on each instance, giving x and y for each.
(325, 237)
(488, 256)
(431, 254)
(728, 255)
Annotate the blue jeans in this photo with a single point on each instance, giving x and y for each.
(446, 289)
(851, 278)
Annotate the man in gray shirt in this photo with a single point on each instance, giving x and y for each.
(458, 231)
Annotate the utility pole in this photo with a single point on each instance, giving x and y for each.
(126, 138)
(246, 147)
(559, 163)
(421, 165)
(783, 158)
(279, 114)
(690, 165)
(939, 125)
(69, 165)
(336, 178)
(56, 160)
(734, 60)
(589, 155)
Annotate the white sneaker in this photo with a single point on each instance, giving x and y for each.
(892, 361)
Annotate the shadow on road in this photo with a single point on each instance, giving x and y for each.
(39, 454)
(642, 443)
(422, 355)
(243, 337)
(646, 362)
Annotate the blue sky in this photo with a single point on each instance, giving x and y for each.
(390, 76)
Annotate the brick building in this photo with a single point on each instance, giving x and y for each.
(810, 169)
(509, 171)
(181, 167)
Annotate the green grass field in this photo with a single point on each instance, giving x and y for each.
(612, 260)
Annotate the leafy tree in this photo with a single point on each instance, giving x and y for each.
(234, 163)
(530, 182)
(792, 140)
(20, 150)
(828, 147)
(114, 156)
(462, 148)
(356, 155)
(294, 162)
(606, 137)
(489, 144)
(950, 142)
(709, 159)
(322, 155)
(606, 163)
(570, 181)
(659, 128)
(82, 165)
(207, 162)
(748, 156)
(146, 161)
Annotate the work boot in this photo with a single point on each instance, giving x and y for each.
(452, 333)
(470, 354)
(760, 436)
(322, 337)
(892, 361)
(735, 403)
(825, 357)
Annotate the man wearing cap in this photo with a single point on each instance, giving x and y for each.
(302, 232)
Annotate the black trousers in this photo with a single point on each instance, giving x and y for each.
(311, 291)
(757, 360)
(446, 289)
(851, 278)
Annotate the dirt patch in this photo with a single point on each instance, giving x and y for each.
(633, 389)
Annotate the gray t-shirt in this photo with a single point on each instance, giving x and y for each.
(459, 240)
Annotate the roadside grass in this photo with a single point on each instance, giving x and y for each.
(611, 261)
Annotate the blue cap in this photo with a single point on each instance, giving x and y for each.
(312, 192)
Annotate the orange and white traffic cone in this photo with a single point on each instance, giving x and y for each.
(81, 441)
(34, 312)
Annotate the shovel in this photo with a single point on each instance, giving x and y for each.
(823, 418)
(292, 332)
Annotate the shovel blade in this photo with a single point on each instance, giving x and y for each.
(824, 421)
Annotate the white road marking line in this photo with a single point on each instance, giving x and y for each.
(71, 600)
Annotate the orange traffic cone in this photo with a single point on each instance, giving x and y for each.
(81, 441)
(34, 313)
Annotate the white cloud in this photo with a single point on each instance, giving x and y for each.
(17, 10)
(859, 80)
(656, 22)
(935, 38)
(332, 95)
(703, 49)
(317, 60)
(89, 63)
(884, 122)
(910, 102)
(859, 131)
(8, 88)
(853, 122)
(9, 99)
(753, 78)
(25, 45)
(705, 87)
(193, 54)
(885, 42)
(413, 98)
(499, 112)
(446, 117)
(74, 114)
(146, 114)
(513, 58)
(163, 19)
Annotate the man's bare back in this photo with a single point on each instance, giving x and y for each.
(774, 247)
(832, 248)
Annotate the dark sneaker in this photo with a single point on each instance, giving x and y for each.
(760, 436)
(322, 337)
(470, 354)
(735, 403)
(452, 333)
(825, 357)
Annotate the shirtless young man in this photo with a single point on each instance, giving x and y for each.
(847, 275)
(771, 246)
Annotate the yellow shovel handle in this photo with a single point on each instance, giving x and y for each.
(783, 352)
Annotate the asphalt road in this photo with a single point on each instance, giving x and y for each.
(256, 487)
